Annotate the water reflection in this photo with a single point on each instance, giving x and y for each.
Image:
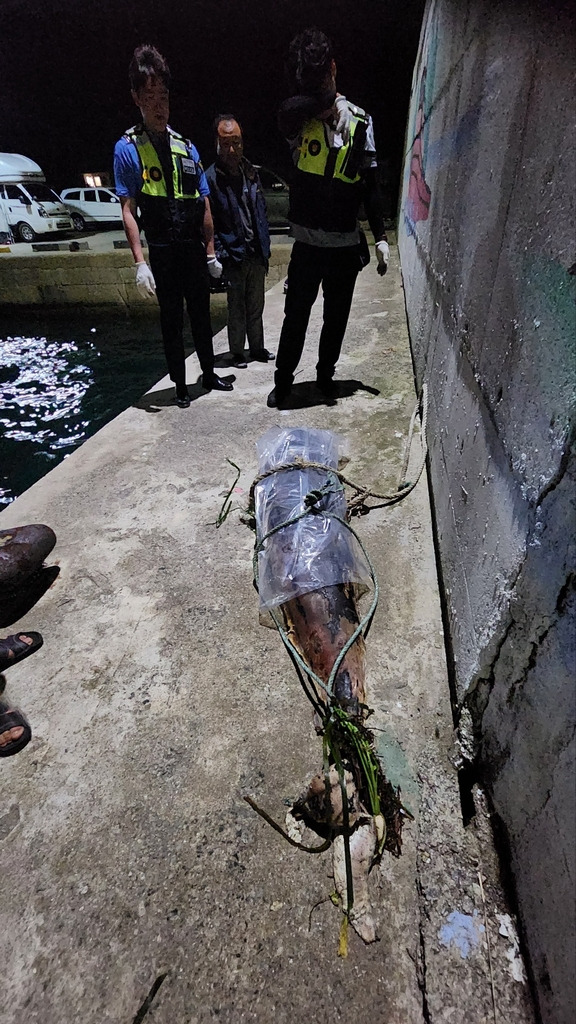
(42, 385)
(62, 378)
(46, 385)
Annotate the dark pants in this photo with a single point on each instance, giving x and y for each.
(245, 306)
(336, 269)
(181, 275)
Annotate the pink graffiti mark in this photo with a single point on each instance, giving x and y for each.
(419, 194)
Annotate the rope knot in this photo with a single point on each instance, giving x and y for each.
(248, 518)
(313, 497)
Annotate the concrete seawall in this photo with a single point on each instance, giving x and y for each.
(89, 278)
(487, 244)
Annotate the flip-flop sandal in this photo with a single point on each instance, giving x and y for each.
(12, 718)
(19, 649)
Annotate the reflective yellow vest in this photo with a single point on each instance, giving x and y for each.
(175, 213)
(184, 169)
(326, 189)
(343, 164)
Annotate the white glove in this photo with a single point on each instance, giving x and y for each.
(214, 267)
(145, 282)
(344, 117)
(382, 256)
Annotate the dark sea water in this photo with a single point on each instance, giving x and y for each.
(62, 377)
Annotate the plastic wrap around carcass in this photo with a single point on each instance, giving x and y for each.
(317, 550)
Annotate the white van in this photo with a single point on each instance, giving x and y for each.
(5, 233)
(31, 208)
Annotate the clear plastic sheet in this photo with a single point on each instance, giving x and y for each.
(316, 551)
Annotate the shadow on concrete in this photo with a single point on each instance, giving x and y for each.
(224, 360)
(15, 604)
(306, 394)
(155, 401)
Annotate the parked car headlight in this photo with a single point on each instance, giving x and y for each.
(42, 211)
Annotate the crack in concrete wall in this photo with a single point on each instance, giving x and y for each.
(421, 966)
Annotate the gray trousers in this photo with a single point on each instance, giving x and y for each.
(245, 306)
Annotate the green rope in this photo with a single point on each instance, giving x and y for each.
(356, 504)
(333, 714)
(363, 625)
(336, 722)
(336, 481)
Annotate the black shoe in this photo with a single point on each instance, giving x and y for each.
(239, 362)
(262, 356)
(215, 383)
(276, 398)
(182, 398)
(328, 387)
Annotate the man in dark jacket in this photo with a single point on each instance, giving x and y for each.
(332, 145)
(242, 239)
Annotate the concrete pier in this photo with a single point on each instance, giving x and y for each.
(137, 883)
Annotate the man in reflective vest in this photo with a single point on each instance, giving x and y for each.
(332, 144)
(159, 171)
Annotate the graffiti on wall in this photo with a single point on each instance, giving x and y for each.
(417, 192)
(431, 147)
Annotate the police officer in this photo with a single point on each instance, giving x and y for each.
(159, 171)
(332, 144)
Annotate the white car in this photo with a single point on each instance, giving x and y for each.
(92, 206)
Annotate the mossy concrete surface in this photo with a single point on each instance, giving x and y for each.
(137, 883)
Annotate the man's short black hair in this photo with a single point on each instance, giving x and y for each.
(309, 61)
(147, 63)
(224, 117)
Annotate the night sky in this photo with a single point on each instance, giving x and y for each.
(64, 63)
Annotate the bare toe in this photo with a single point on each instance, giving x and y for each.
(10, 735)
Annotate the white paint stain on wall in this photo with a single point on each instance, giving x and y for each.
(463, 931)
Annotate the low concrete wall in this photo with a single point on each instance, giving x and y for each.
(88, 278)
(487, 246)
